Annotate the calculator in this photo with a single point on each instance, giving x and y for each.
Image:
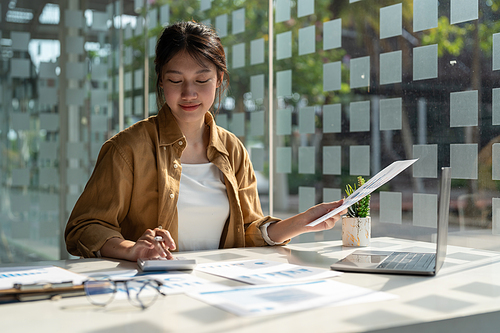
(161, 264)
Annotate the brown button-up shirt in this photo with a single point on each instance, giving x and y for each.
(135, 186)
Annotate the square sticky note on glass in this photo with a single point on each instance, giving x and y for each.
(391, 114)
(49, 177)
(307, 119)
(495, 216)
(221, 25)
(464, 108)
(390, 67)
(425, 14)
(463, 161)
(332, 34)
(20, 68)
(360, 72)
(426, 166)
(391, 21)
(74, 44)
(49, 121)
(307, 160)
(425, 62)
(307, 40)
(425, 210)
(257, 158)
(284, 45)
(359, 116)
(305, 7)
(257, 123)
(284, 121)
(257, 86)
(282, 12)
(463, 10)
(391, 207)
(331, 194)
(307, 198)
(359, 160)
(239, 55)
(284, 83)
(332, 118)
(222, 121)
(284, 159)
(20, 40)
(332, 160)
(257, 51)
(238, 23)
(237, 125)
(332, 76)
(496, 52)
(138, 79)
(205, 4)
(495, 161)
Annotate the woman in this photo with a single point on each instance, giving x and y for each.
(136, 191)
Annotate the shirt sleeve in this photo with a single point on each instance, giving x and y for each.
(102, 205)
(253, 216)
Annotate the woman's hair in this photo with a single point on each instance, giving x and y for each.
(200, 42)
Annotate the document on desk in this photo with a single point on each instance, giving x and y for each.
(282, 298)
(260, 271)
(9, 276)
(173, 282)
(371, 185)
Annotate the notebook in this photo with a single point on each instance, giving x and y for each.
(412, 263)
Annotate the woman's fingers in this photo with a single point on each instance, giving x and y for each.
(155, 243)
(164, 242)
(168, 241)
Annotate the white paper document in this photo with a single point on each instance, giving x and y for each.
(371, 185)
(274, 299)
(265, 272)
(172, 282)
(37, 274)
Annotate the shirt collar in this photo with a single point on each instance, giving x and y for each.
(168, 128)
(214, 140)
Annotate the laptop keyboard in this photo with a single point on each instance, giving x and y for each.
(409, 261)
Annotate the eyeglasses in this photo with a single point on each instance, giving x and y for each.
(140, 292)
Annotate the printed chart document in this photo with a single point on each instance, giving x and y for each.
(9, 276)
(274, 299)
(172, 282)
(371, 185)
(260, 271)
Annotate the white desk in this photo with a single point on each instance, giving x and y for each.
(463, 297)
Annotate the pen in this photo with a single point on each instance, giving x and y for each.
(160, 239)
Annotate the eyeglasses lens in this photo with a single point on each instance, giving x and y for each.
(100, 292)
(142, 293)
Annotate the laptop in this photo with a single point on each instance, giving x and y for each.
(411, 263)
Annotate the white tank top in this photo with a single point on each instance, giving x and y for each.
(203, 207)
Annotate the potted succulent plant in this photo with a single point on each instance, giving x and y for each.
(356, 225)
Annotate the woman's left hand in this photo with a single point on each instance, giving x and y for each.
(319, 210)
(285, 229)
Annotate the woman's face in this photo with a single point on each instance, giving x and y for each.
(189, 87)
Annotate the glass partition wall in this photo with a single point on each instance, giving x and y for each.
(320, 92)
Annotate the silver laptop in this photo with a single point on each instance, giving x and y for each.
(413, 263)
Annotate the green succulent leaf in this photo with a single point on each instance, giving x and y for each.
(362, 207)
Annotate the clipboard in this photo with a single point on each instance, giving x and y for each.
(41, 291)
(29, 283)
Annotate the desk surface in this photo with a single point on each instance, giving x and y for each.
(463, 297)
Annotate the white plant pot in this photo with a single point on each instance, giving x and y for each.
(356, 231)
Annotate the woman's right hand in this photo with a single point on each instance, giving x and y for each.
(149, 248)
(145, 247)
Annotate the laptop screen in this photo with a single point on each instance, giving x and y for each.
(443, 215)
